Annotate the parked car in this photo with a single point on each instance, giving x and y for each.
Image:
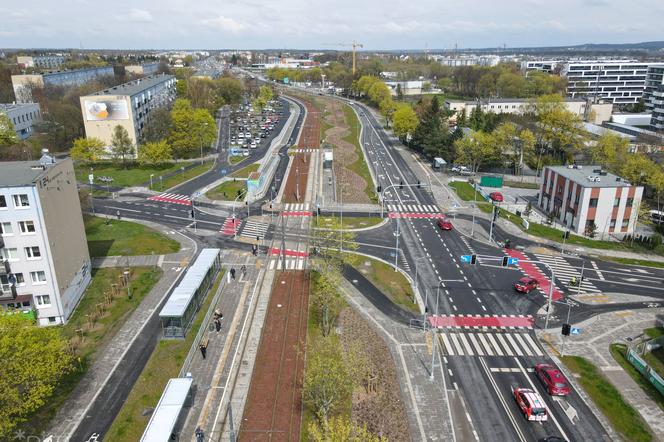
(496, 196)
(526, 285)
(552, 379)
(444, 224)
(459, 169)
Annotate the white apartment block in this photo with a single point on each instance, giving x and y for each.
(45, 264)
(548, 66)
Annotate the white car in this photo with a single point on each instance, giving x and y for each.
(247, 134)
(240, 135)
(253, 145)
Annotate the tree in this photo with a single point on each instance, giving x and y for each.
(230, 90)
(387, 109)
(399, 92)
(326, 300)
(558, 129)
(7, 132)
(190, 129)
(121, 145)
(475, 149)
(379, 92)
(637, 168)
(265, 94)
(154, 152)
(327, 383)
(405, 120)
(591, 230)
(512, 144)
(340, 429)
(511, 85)
(609, 150)
(159, 125)
(432, 137)
(34, 361)
(87, 150)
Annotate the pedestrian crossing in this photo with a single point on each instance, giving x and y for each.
(404, 263)
(173, 198)
(564, 272)
(296, 207)
(302, 150)
(297, 263)
(413, 208)
(254, 229)
(230, 226)
(489, 344)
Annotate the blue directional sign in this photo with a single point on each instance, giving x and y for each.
(575, 331)
(466, 259)
(223, 171)
(512, 261)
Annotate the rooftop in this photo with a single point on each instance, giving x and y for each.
(136, 86)
(512, 100)
(19, 173)
(12, 106)
(582, 175)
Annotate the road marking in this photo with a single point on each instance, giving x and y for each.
(599, 274)
(534, 345)
(478, 347)
(499, 394)
(466, 345)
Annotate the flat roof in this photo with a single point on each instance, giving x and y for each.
(580, 174)
(15, 106)
(19, 173)
(181, 297)
(598, 130)
(136, 86)
(513, 100)
(166, 414)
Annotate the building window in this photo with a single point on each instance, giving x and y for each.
(630, 202)
(625, 223)
(613, 223)
(593, 202)
(43, 300)
(6, 229)
(21, 200)
(51, 319)
(27, 226)
(3, 202)
(9, 253)
(616, 202)
(38, 277)
(33, 252)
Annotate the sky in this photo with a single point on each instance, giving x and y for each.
(318, 24)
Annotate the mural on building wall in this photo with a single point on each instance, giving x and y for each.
(106, 110)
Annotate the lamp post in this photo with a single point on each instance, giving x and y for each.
(127, 283)
(151, 176)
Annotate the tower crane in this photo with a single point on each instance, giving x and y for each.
(354, 45)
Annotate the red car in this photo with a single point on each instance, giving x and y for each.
(552, 379)
(496, 196)
(444, 224)
(525, 285)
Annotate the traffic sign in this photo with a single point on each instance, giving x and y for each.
(575, 331)
(512, 261)
(91, 177)
(466, 259)
(223, 171)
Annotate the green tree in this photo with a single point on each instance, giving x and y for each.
(191, 129)
(511, 144)
(230, 90)
(340, 429)
(379, 92)
(609, 150)
(387, 109)
(636, 168)
(87, 150)
(34, 360)
(154, 152)
(159, 125)
(121, 145)
(511, 85)
(326, 300)
(432, 137)
(475, 149)
(265, 94)
(7, 132)
(405, 120)
(558, 129)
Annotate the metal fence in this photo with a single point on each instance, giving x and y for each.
(642, 366)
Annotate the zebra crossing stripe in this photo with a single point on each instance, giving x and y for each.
(478, 348)
(485, 344)
(469, 350)
(504, 344)
(532, 343)
(516, 347)
(459, 350)
(523, 345)
(499, 352)
(446, 344)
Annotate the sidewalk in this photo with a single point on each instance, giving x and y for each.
(593, 344)
(107, 359)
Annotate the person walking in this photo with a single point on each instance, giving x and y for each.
(233, 273)
(244, 270)
(203, 350)
(217, 324)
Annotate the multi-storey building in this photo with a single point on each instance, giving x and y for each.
(618, 81)
(128, 105)
(549, 66)
(45, 264)
(23, 116)
(142, 69)
(40, 61)
(583, 197)
(23, 84)
(657, 108)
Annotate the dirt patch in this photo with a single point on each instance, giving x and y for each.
(310, 137)
(274, 404)
(378, 404)
(299, 173)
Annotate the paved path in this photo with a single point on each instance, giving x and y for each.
(107, 359)
(593, 343)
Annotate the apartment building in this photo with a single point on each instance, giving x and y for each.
(548, 66)
(24, 83)
(128, 105)
(40, 61)
(23, 116)
(142, 69)
(45, 264)
(600, 112)
(582, 196)
(657, 108)
(617, 81)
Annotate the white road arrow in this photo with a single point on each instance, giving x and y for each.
(567, 408)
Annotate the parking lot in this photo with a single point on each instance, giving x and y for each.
(250, 128)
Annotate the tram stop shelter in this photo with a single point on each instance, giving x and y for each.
(167, 418)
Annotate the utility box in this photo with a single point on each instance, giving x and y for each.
(491, 181)
(327, 159)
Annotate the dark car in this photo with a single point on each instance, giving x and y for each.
(496, 196)
(444, 224)
(525, 285)
(552, 439)
(552, 379)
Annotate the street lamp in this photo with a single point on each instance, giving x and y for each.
(127, 283)
(151, 176)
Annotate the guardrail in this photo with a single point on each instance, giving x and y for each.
(642, 366)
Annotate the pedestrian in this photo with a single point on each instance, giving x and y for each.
(118, 214)
(244, 270)
(233, 273)
(217, 325)
(203, 350)
(217, 314)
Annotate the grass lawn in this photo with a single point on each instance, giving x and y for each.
(164, 363)
(521, 185)
(393, 284)
(227, 190)
(654, 332)
(324, 126)
(96, 337)
(623, 418)
(350, 222)
(182, 177)
(133, 175)
(236, 159)
(631, 261)
(110, 237)
(245, 171)
(619, 353)
(465, 191)
(360, 166)
(655, 359)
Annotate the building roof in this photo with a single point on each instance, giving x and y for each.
(598, 130)
(19, 173)
(511, 100)
(136, 86)
(166, 414)
(13, 106)
(581, 175)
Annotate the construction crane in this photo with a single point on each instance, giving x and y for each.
(354, 45)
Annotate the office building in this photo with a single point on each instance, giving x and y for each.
(24, 83)
(23, 116)
(657, 108)
(40, 61)
(599, 112)
(128, 105)
(581, 197)
(142, 69)
(548, 66)
(45, 264)
(617, 81)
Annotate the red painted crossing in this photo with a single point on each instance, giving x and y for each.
(415, 215)
(305, 213)
(533, 271)
(288, 252)
(472, 321)
(230, 226)
(172, 198)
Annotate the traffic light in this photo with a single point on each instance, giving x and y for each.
(566, 329)
(379, 189)
(505, 260)
(473, 259)
(401, 184)
(318, 209)
(192, 213)
(419, 185)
